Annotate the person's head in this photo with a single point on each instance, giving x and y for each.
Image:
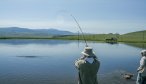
(143, 52)
(88, 52)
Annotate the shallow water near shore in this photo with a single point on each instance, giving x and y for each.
(52, 61)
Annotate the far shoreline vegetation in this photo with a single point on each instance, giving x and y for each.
(135, 37)
(24, 33)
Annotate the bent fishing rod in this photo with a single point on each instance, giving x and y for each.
(80, 29)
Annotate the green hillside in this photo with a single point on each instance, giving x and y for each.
(139, 36)
(89, 37)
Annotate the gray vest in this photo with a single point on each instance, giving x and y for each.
(88, 72)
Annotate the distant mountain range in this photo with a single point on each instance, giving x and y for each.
(17, 31)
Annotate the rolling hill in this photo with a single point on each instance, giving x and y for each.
(134, 36)
(25, 32)
(139, 33)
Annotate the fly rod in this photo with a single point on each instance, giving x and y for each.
(80, 30)
(78, 38)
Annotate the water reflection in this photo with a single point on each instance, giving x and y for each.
(138, 45)
(55, 60)
(33, 41)
(29, 56)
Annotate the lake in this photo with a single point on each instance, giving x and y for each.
(52, 61)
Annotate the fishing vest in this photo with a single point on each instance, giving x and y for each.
(88, 71)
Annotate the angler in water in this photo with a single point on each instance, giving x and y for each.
(141, 78)
(88, 66)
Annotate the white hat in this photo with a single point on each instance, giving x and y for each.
(88, 52)
(143, 52)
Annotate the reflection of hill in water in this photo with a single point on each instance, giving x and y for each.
(33, 41)
(138, 45)
(28, 56)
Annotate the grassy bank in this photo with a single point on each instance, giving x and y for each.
(133, 37)
(103, 37)
(94, 37)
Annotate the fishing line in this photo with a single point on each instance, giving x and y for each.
(78, 39)
(80, 30)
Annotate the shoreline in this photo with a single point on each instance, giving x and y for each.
(115, 77)
(107, 78)
(48, 38)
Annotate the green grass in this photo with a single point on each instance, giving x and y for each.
(139, 36)
(133, 37)
(92, 37)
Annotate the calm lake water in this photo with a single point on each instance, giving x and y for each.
(52, 61)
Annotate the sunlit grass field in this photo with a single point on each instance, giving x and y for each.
(139, 36)
(136, 37)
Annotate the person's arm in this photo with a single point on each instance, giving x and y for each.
(142, 64)
(77, 64)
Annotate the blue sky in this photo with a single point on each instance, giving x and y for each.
(94, 16)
